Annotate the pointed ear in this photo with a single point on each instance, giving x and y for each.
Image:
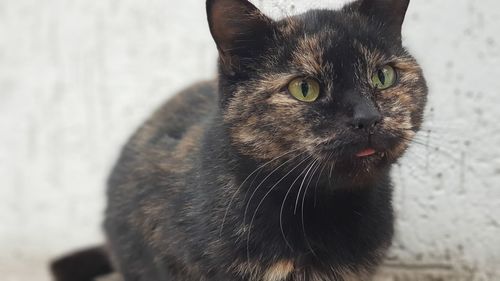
(389, 12)
(239, 29)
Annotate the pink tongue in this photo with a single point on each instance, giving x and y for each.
(366, 152)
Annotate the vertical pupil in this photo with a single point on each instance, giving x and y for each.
(305, 88)
(381, 76)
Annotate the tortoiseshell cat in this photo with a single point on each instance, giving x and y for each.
(279, 171)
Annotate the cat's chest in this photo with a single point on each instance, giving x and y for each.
(288, 270)
(295, 270)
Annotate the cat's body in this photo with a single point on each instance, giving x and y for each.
(258, 177)
(166, 211)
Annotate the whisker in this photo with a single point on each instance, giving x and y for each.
(435, 139)
(300, 189)
(262, 182)
(302, 210)
(443, 151)
(319, 177)
(283, 206)
(332, 165)
(262, 200)
(239, 187)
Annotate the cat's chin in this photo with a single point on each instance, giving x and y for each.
(360, 171)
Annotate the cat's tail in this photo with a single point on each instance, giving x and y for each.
(83, 265)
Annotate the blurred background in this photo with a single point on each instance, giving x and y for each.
(77, 77)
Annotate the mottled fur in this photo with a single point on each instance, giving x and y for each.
(238, 180)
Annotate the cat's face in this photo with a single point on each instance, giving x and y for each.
(332, 85)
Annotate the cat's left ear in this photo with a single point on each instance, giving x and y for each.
(239, 29)
(391, 13)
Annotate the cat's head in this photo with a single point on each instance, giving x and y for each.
(330, 85)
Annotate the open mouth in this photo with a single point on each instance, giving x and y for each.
(356, 156)
(364, 150)
(359, 155)
(367, 152)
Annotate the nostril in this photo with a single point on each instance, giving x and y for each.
(365, 122)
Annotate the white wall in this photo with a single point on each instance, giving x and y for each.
(76, 78)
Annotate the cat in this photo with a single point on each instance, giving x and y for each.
(280, 169)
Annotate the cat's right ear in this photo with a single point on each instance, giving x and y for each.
(239, 29)
(389, 12)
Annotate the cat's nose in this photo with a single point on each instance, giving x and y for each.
(365, 116)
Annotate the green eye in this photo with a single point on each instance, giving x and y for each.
(304, 89)
(384, 77)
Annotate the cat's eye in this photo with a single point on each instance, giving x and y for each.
(304, 89)
(384, 78)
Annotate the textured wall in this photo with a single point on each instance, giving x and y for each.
(76, 77)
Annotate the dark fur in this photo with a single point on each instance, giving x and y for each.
(180, 204)
(84, 265)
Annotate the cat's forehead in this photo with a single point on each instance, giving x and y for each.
(328, 24)
(333, 39)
